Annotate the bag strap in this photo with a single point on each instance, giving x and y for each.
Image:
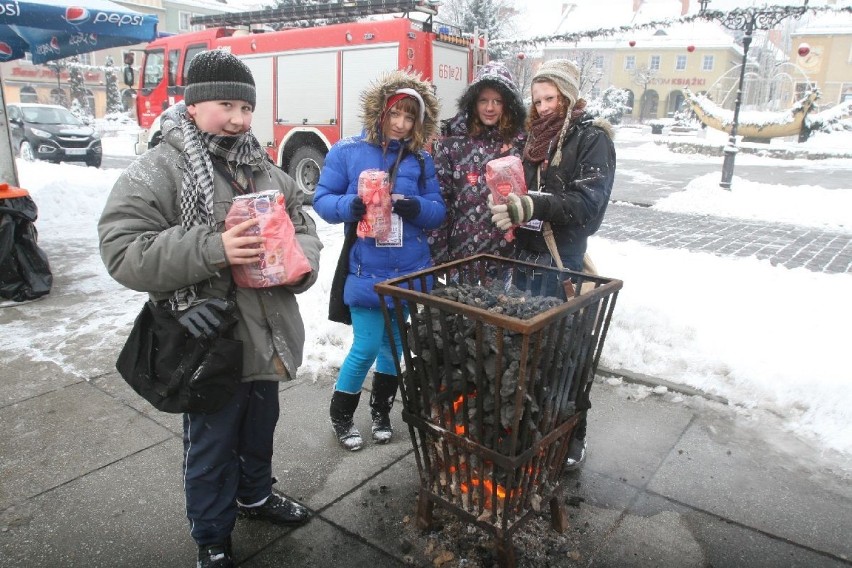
(550, 241)
(226, 173)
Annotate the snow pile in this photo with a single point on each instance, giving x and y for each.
(825, 209)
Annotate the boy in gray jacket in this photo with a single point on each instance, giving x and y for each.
(162, 232)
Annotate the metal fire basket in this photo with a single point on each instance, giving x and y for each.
(490, 399)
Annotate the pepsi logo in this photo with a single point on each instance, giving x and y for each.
(5, 51)
(12, 9)
(54, 43)
(76, 15)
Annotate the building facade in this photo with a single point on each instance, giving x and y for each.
(822, 48)
(655, 66)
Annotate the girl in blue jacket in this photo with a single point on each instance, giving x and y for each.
(400, 113)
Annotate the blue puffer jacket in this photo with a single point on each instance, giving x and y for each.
(338, 186)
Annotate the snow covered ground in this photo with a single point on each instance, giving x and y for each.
(769, 339)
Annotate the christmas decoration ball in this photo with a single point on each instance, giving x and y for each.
(521, 55)
(690, 48)
(804, 49)
(632, 42)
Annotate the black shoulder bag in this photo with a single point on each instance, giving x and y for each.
(175, 371)
(337, 309)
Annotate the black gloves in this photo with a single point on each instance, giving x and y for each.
(407, 208)
(208, 319)
(357, 208)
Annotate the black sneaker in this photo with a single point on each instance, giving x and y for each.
(277, 509)
(576, 454)
(215, 556)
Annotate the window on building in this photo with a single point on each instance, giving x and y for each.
(183, 21)
(28, 94)
(707, 64)
(58, 97)
(596, 93)
(654, 64)
(90, 101)
(680, 63)
(86, 59)
(599, 62)
(198, 27)
(630, 62)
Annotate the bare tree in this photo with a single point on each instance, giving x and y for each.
(643, 76)
(590, 74)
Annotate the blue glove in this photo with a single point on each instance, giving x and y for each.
(357, 208)
(407, 208)
(207, 319)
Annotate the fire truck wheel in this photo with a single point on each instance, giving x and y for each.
(305, 168)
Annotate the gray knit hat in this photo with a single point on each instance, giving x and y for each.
(218, 76)
(564, 74)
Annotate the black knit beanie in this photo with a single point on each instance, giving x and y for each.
(218, 76)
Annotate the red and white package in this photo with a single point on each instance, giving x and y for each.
(374, 190)
(504, 176)
(282, 260)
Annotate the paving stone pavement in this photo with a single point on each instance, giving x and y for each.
(791, 246)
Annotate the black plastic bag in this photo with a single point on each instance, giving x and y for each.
(24, 269)
(176, 372)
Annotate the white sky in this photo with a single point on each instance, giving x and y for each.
(773, 341)
(543, 17)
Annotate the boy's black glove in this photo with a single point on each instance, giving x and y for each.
(407, 208)
(357, 208)
(208, 319)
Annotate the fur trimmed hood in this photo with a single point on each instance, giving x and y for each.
(496, 76)
(373, 100)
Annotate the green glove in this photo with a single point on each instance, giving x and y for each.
(516, 211)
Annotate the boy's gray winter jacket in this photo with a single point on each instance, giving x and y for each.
(145, 248)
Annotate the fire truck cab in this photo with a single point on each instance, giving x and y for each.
(309, 80)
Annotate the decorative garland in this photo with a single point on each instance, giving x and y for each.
(574, 37)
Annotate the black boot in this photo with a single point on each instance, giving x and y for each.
(381, 401)
(343, 405)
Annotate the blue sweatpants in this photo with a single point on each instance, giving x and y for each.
(370, 344)
(228, 457)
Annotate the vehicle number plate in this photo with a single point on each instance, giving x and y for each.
(75, 151)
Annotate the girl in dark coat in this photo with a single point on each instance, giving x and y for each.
(489, 125)
(569, 162)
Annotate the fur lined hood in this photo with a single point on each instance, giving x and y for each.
(373, 103)
(496, 76)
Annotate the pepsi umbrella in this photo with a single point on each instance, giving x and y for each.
(53, 29)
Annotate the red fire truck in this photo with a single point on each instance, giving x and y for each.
(309, 80)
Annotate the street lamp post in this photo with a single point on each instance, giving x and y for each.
(748, 20)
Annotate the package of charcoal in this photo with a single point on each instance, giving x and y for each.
(282, 260)
(374, 190)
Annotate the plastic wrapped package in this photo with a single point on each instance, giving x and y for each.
(374, 190)
(504, 176)
(282, 261)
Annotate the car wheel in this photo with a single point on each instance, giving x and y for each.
(305, 168)
(94, 161)
(26, 151)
